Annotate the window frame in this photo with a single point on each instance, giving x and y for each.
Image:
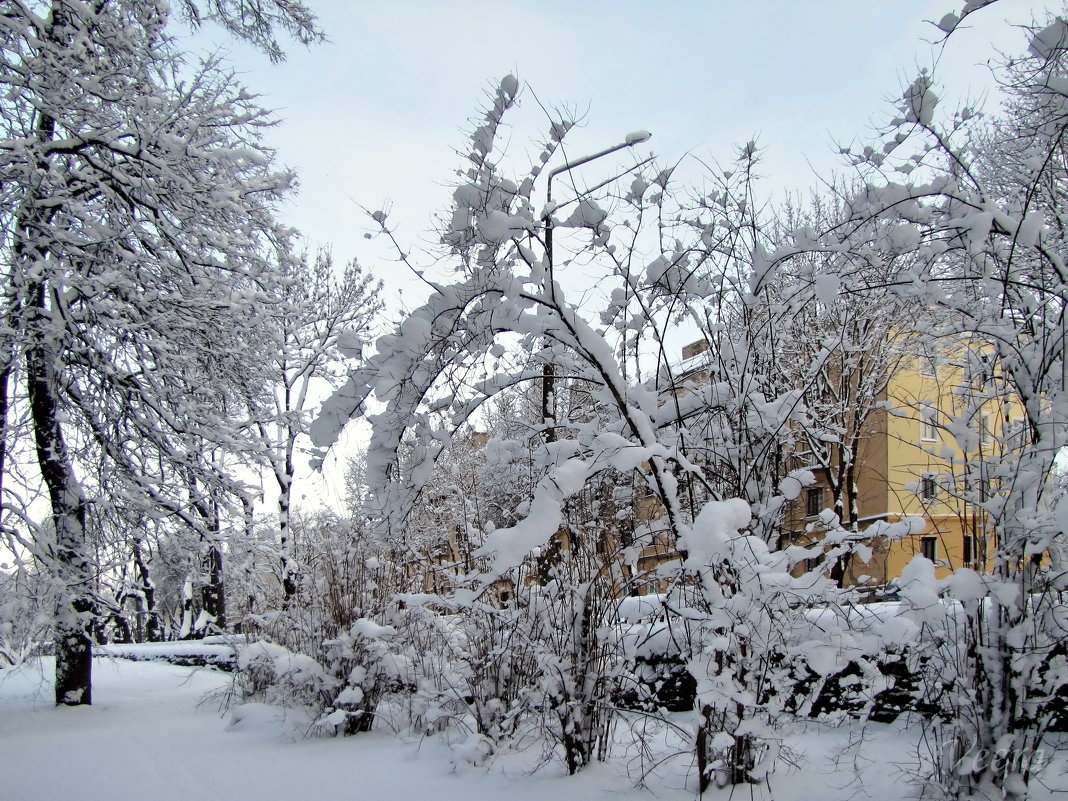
(968, 550)
(986, 436)
(814, 499)
(927, 367)
(928, 429)
(928, 489)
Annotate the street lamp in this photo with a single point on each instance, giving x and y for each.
(548, 380)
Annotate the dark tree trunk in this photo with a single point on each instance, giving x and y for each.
(289, 579)
(187, 632)
(70, 566)
(123, 630)
(6, 368)
(74, 608)
(213, 594)
(149, 628)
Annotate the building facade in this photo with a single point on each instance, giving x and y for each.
(926, 451)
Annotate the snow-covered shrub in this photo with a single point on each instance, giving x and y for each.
(623, 451)
(433, 645)
(25, 612)
(365, 669)
(332, 648)
(272, 673)
(344, 686)
(577, 662)
(475, 667)
(757, 625)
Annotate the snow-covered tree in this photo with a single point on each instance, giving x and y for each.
(979, 211)
(626, 453)
(324, 320)
(136, 200)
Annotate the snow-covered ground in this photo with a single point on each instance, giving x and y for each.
(156, 732)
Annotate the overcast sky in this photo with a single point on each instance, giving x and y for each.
(375, 116)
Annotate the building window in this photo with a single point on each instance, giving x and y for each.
(928, 488)
(969, 550)
(929, 548)
(983, 369)
(928, 430)
(927, 367)
(978, 483)
(983, 424)
(814, 500)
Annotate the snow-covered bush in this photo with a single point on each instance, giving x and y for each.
(332, 648)
(272, 673)
(25, 614)
(367, 669)
(623, 453)
(475, 669)
(977, 208)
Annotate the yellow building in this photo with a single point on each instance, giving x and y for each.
(924, 452)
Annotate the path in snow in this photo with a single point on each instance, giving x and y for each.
(151, 736)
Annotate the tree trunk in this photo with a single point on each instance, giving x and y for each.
(213, 594)
(284, 475)
(212, 591)
(72, 573)
(70, 564)
(148, 623)
(285, 490)
(6, 370)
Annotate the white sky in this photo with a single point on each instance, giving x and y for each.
(376, 116)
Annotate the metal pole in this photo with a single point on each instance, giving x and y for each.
(548, 375)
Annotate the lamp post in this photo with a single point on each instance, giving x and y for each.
(548, 380)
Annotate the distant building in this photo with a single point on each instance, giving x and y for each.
(925, 451)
